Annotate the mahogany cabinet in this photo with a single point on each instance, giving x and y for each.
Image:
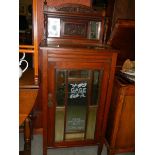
(76, 87)
(76, 77)
(123, 38)
(120, 132)
(119, 9)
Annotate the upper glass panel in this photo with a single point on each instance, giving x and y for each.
(25, 22)
(77, 97)
(76, 106)
(95, 87)
(78, 74)
(60, 87)
(95, 28)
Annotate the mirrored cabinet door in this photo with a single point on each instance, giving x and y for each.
(60, 28)
(76, 85)
(76, 103)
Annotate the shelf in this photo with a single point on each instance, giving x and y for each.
(27, 80)
(26, 48)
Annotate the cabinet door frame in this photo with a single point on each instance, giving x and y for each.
(52, 66)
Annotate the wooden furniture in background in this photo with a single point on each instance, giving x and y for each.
(27, 98)
(33, 49)
(120, 132)
(28, 86)
(119, 9)
(77, 74)
(123, 38)
(28, 92)
(29, 80)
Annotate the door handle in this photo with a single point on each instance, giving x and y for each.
(50, 102)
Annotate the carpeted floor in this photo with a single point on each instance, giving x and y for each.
(36, 148)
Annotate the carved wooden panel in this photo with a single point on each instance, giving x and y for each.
(59, 2)
(77, 23)
(40, 15)
(73, 29)
(69, 8)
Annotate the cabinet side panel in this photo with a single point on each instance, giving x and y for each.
(112, 113)
(126, 132)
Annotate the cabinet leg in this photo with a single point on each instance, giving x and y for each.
(27, 134)
(110, 152)
(99, 151)
(44, 150)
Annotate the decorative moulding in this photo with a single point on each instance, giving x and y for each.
(60, 2)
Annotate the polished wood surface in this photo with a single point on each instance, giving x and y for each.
(27, 79)
(123, 10)
(35, 39)
(28, 84)
(57, 3)
(26, 48)
(75, 50)
(123, 39)
(40, 15)
(27, 99)
(119, 9)
(26, 152)
(28, 92)
(76, 57)
(120, 132)
(75, 24)
(33, 49)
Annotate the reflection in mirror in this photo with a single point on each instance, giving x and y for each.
(95, 87)
(76, 109)
(77, 106)
(59, 123)
(99, 3)
(25, 22)
(60, 87)
(78, 73)
(60, 103)
(91, 123)
(95, 28)
(53, 27)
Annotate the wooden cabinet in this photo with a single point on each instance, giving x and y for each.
(28, 85)
(123, 38)
(32, 48)
(120, 132)
(76, 89)
(119, 9)
(76, 73)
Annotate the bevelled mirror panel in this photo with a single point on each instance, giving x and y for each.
(77, 97)
(60, 87)
(53, 27)
(95, 28)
